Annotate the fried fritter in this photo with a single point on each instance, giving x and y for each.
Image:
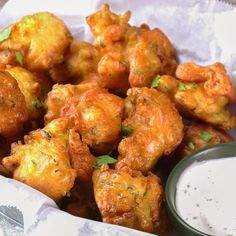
(32, 90)
(43, 162)
(131, 55)
(80, 64)
(59, 96)
(217, 82)
(199, 135)
(128, 199)
(157, 129)
(193, 100)
(38, 42)
(97, 115)
(13, 108)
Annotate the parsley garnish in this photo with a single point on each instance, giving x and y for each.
(139, 71)
(182, 86)
(104, 159)
(155, 81)
(204, 135)
(19, 57)
(38, 104)
(126, 130)
(193, 85)
(191, 145)
(5, 34)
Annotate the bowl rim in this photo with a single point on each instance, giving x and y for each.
(183, 164)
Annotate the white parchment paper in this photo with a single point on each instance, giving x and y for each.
(203, 31)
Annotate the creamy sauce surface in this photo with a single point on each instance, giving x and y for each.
(206, 196)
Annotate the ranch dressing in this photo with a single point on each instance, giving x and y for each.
(206, 196)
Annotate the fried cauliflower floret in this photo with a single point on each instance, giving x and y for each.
(192, 99)
(157, 129)
(59, 96)
(217, 82)
(128, 199)
(43, 161)
(31, 88)
(97, 115)
(40, 39)
(132, 56)
(13, 108)
(80, 64)
(200, 135)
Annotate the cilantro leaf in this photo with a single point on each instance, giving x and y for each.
(5, 34)
(155, 82)
(191, 145)
(139, 71)
(204, 135)
(19, 57)
(38, 104)
(126, 130)
(104, 159)
(182, 86)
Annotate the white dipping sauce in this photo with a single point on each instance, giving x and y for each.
(206, 196)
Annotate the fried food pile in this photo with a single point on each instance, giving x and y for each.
(87, 124)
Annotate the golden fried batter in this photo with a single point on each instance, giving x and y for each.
(43, 162)
(131, 55)
(59, 96)
(217, 82)
(192, 99)
(199, 135)
(80, 64)
(128, 199)
(157, 129)
(13, 109)
(31, 88)
(97, 115)
(38, 42)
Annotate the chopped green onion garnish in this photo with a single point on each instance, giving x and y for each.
(182, 86)
(19, 57)
(39, 104)
(139, 71)
(126, 130)
(5, 34)
(204, 135)
(155, 81)
(191, 145)
(193, 85)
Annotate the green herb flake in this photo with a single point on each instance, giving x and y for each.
(139, 71)
(193, 85)
(182, 86)
(126, 130)
(38, 104)
(191, 145)
(45, 91)
(204, 135)
(104, 159)
(5, 34)
(155, 81)
(45, 133)
(19, 57)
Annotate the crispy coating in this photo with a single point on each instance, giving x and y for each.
(97, 115)
(131, 55)
(192, 99)
(31, 88)
(80, 64)
(157, 129)
(59, 95)
(41, 39)
(128, 199)
(217, 82)
(194, 141)
(13, 109)
(80, 157)
(43, 162)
